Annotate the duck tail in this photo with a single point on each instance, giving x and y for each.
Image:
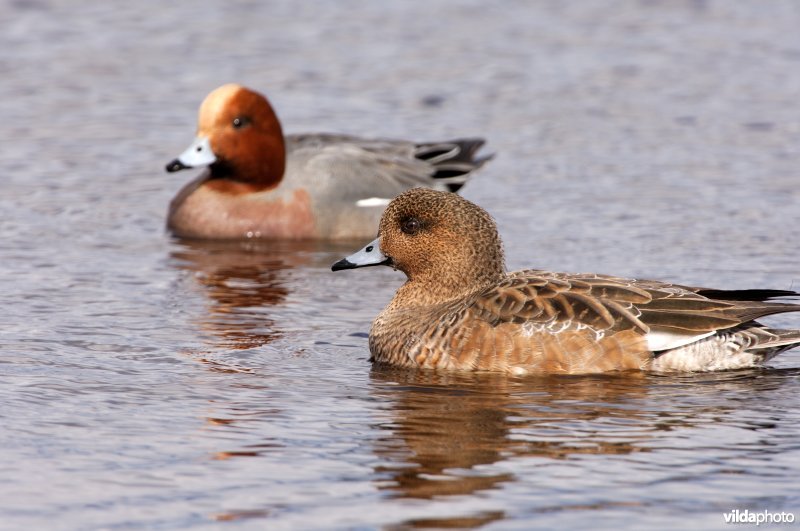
(453, 161)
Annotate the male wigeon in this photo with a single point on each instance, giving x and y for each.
(459, 309)
(260, 183)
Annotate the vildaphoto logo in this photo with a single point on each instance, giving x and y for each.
(762, 517)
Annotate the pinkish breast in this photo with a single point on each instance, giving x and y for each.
(210, 214)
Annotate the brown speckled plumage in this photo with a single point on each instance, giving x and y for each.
(460, 310)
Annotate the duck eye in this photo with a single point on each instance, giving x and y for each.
(240, 121)
(411, 226)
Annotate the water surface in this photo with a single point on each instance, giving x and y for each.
(149, 383)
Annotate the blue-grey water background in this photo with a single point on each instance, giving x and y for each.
(147, 383)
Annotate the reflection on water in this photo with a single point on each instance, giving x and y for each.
(472, 521)
(446, 430)
(244, 280)
(241, 282)
(447, 425)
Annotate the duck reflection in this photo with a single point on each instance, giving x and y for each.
(444, 430)
(243, 281)
(444, 427)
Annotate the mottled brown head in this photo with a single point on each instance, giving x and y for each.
(442, 242)
(245, 136)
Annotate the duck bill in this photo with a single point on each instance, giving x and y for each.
(196, 155)
(370, 255)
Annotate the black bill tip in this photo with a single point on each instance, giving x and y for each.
(343, 264)
(176, 165)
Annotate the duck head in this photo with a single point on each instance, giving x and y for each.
(239, 138)
(441, 241)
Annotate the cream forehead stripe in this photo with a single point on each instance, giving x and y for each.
(215, 103)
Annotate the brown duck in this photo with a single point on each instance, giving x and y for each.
(460, 310)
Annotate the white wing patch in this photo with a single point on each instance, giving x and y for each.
(658, 340)
(372, 202)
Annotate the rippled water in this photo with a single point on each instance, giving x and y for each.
(159, 384)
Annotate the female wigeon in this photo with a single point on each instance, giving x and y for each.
(459, 309)
(260, 183)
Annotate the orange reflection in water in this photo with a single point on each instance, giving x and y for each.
(244, 281)
(445, 426)
(444, 431)
(241, 281)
